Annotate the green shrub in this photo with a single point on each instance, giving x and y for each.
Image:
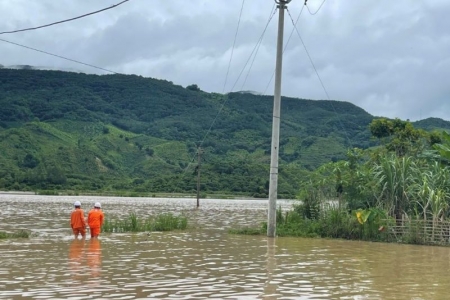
(19, 234)
(332, 222)
(47, 192)
(163, 222)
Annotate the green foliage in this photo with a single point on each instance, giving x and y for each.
(101, 133)
(30, 161)
(443, 148)
(15, 235)
(47, 192)
(393, 175)
(365, 196)
(166, 222)
(401, 183)
(400, 136)
(247, 231)
(309, 208)
(331, 223)
(193, 87)
(163, 222)
(432, 124)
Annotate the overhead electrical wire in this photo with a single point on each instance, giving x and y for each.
(59, 56)
(255, 48)
(273, 11)
(285, 47)
(59, 22)
(224, 86)
(240, 74)
(309, 56)
(311, 13)
(254, 52)
(318, 76)
(232, 48)
(64, 21)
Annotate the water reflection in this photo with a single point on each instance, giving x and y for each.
(205, 262)
(94, 260)
(270, 287)
(76, 260)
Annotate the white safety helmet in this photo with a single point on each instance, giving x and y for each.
(98, 205)
(77, 203)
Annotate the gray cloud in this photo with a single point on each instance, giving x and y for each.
(390, 58)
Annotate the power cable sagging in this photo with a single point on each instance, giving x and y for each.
(318, 76)
(59, 56)
(64, 21)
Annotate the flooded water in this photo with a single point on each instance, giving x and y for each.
(203, 262)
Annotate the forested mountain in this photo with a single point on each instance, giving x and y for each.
(62, 130)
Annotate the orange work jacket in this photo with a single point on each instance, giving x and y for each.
(95, 218)
(77, 219)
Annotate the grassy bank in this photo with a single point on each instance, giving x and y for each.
(370, 225)
(133, 223)
(15, 235)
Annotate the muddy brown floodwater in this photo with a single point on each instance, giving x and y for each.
(203, 262)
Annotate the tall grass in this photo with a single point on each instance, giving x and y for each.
(19, 234)
(132, 223)
(332, 222)
(47, 192)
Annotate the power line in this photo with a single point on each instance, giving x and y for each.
(312, 14)
(285, 47)
(59, 56)
(273, 11)
(67, 20)
(256, 46)
(240, 74)
(309, 56)
(256, 53)
(251, 65)
(318, 76)
(232, 48)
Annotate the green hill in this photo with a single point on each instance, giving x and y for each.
(61, 130)
(432, 124)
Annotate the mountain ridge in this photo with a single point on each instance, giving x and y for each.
(67, 130)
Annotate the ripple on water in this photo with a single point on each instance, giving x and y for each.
(202, 263)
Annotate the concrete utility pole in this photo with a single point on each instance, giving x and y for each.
(273, 186)
(199, 163)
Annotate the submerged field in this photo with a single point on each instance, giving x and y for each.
(203, 261)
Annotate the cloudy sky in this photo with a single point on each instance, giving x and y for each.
(392, 58)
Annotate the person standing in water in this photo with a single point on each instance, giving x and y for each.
(77, 221)
(95, 220)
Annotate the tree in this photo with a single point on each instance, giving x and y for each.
(56, 176)
(193, 87)
(399, 136)
(30, 161)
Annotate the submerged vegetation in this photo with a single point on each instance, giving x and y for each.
(14, 235)
(331, 222)
(133, 223)
(397, 192)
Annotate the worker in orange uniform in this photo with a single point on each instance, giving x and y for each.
(77, 221)
(95, 220)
